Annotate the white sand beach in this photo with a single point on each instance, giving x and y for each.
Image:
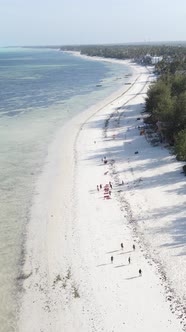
(70, 284)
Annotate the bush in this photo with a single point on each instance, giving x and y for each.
(180, 145)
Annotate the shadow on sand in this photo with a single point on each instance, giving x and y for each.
(103, 264)
(121, 265)
(132, 278)
(110, 252)
(125, 252)
(147, 159)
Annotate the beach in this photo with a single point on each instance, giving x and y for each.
(69, 282)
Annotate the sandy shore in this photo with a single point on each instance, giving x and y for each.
(69, 281)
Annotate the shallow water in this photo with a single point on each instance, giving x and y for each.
(39, 91)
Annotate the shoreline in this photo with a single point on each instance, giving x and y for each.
(97, 58)
(70, 131)
(63, 250)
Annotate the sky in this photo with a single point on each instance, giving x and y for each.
(68, 22)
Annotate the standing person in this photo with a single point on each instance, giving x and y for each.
(129, 260)
(112, 259)
(97, 187)
(140, 272)
(122, 246)
(105, 160)
(100, 186)
(134, 247)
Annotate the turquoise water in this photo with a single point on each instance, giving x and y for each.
(39, 91)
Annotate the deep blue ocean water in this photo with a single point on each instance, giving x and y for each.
(39, 91)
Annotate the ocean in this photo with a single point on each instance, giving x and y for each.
(40, 90)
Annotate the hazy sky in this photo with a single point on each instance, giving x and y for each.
(61, 22)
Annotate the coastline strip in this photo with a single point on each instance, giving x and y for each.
(73, 287)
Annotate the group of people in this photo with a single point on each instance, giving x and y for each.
(107, 189)
(107, 193)
(129, 259)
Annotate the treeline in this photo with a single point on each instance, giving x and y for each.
(166, 105)
(172, 64)
(136, 52)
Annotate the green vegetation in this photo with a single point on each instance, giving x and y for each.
(180, 145)
(184, 169)
(140, 53)
(166, 106)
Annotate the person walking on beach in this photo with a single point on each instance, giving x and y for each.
(140, 272)
(122, 246)
(134, 247)
(105, 160)
(129, 260)
(112, 259)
